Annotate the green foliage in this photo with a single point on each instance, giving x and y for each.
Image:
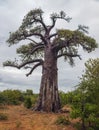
(28, 95)
(28, 19)
(77, 125)
(25, 48)
(28, 102)
(62, 120)
(3, 116)
(86, 101)
(66, 98)
(16, 97)
(24, 51)
(2, 99)
(67, 34)
(78, 38)
(34, 99)
(31, 19)
(63, 98)
(11, 97)
(29, 92)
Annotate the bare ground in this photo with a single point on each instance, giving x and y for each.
(20, 118)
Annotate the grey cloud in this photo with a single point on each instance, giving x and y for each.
(67, 84)
(97, 0)
(0, 79)
(17, 80)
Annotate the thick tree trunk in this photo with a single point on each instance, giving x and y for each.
(49, 98)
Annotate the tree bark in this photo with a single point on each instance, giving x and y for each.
(49, 97)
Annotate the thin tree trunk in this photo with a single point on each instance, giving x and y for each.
(83, 125)
(49, 98)
(83, 117)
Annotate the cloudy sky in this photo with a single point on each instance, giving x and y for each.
(85, 12)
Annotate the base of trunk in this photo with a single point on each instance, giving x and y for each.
(48, 107)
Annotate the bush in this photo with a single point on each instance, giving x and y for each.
(62, 120)
(63, 98)
(2, 98)
(28, 102)
(13, 97)
(34, 98)
(77, 125)
(29, 92)
(3, 116)
(16, 97)
(66, 98)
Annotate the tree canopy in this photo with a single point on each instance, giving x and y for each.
(38, 34)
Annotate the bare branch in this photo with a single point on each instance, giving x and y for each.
(32, 40)
(29, 62)
(31, 33)
(66, 19)
(34, 67)
(53, 35)
(56, 16)
(36, 47)
(53, 24)
(83, 28)
(41, 21)
(13, 64)
(69, 55)
(27, 67)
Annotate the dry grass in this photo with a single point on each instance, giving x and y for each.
(20, 118)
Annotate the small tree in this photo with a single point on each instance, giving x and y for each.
(44, 48)
(86, 102)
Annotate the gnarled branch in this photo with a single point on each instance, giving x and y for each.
(39, 46)
(32, 40)
(56, 16)
(13, 64)
(41, 21)
(26, 35)
(53, 24)
(34, 67)
(53, 35)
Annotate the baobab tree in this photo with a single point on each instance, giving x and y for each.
(44, 48)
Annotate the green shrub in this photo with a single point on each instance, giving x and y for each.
(77, 125)
(90, 128)
(28, 102)
(2, 98)
(63, 98)
(3, 116)
(13, 97)
(66, 98)
(62, 120)
(34, 98)
(29, 92)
